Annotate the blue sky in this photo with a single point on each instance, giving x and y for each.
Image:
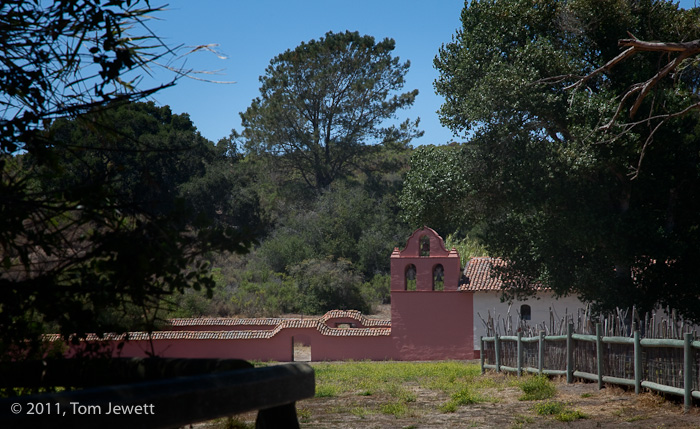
(250, 33)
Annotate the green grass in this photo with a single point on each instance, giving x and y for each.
(377, 378)
(326, 391)
(304, 414)
(465, 396)
(399, 381)
(548, 408)
(559, 410)
(361, 412)
(395, 386)
(521, 420)
(395, 408)
(570, 415)
(536, 388)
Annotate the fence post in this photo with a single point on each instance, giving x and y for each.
(637, 363)
(688, 370)
(520, 353)
(569, 354)
(599, 353)
(481, 352)
(540, 358)
(497, 347)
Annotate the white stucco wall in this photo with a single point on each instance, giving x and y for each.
(491, 301)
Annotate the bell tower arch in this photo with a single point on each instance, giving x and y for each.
(426, 259)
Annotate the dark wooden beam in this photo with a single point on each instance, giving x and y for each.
(169, 403)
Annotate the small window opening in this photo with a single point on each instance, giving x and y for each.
(525, 312)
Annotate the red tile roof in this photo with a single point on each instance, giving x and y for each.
(225, 321)
(370, 328)
(478, 275)
(305, 322)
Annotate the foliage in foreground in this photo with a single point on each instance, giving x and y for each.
(93, 231)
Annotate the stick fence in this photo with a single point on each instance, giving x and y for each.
(669, 366)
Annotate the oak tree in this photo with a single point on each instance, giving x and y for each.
(562, 202)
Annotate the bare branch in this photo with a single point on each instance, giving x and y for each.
(610, 64)
(691, 48)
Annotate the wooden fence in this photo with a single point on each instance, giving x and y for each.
(669, 366)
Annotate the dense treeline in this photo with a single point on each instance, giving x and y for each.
(117, 213)
(326, 173)
(317, 250)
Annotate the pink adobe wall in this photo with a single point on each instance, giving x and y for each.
(278, 348)
(425, 326)
(432, 325)
(355, 348)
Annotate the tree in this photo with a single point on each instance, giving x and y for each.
(322, 103)
(554, 196)
(158, 152)
(681, 67)
(434, 189)
(80, 233)
(344, 222)
(328, 285)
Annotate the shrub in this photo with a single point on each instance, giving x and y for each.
(327, 285)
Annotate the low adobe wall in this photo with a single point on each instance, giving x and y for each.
(424, 328)
(279, 348)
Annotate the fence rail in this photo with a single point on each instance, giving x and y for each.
(666, 365)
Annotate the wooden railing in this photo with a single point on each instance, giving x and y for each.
(152, 393)
(665, 365)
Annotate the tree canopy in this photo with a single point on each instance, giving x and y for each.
(323, 102)
(93, 225)
(565, 202)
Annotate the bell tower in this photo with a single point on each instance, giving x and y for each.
(430, 317)
(424, 264)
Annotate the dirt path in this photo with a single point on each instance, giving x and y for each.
(611, 407)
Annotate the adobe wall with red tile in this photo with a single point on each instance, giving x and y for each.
(427, 324)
